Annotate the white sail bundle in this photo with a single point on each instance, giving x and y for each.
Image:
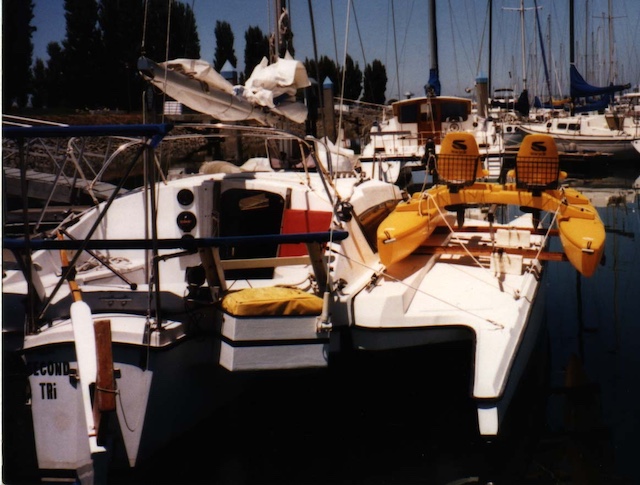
(270, 89)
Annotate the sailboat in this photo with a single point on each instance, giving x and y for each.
(140, 309)
(402, 143)
(595, 126)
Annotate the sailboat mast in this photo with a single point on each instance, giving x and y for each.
(432, 88)
(522, 42)
(490, 45)
(572, 54)
(612, 73)
(434, 36)
(524, 61)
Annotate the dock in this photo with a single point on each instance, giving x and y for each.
(46, 186)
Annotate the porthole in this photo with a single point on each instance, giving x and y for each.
(185, 197)
(186, 221)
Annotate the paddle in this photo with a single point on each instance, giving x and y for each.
(85, 345)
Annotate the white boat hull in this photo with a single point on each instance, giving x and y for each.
(161, 391)
(614, 143)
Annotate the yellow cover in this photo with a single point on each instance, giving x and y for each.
(271, 301)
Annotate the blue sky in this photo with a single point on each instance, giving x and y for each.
(462, 37)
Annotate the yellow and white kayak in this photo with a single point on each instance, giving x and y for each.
(580, 228)
(406, 228)
(583, 239)
(412, 222)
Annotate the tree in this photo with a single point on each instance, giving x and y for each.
(17, 51)
(256, 48)
(224, 46)
(183, 39)
(40, 95)
(352, 79)
(82, 54)
(120, 25)
(55, 76)
(326, 68)
(375, 83)
(154, 40)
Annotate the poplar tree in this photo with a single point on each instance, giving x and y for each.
(82, 55)
(40, 92)
(352, 80)
(17, 51)
(121, 28)
(256, 47)
(224, 46)
(375, 83)
(55, 76)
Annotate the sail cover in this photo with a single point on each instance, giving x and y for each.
(432, 88)
(582, 89)
(270, 89)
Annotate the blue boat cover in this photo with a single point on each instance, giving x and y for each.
(582, 89)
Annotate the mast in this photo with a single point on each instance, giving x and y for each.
(433, 85)
(434, 35)
(522, 41)
(521, 10)
(612, 73)
(490, 46)
(544, 56)
(572, 54)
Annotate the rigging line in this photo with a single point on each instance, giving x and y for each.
(417, 289)
(516, 291)
(455, 51)
(335, 39)
(344, 73)
(406, 30)
(484, 31)
(144, 27)
(395, 46)
(453, 233)
(166, 58)
(547, 235)
(364, 57)
(315, 58)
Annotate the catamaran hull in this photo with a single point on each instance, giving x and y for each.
(504, 367)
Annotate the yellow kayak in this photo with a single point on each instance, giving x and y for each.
(580, 229)
(406, 228)
(412, 222)
(583, 240)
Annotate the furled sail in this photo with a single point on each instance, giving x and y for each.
(270, 89)
(582, 89)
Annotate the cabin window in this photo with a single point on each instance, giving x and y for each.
(289, 155)
(562, 126)
(408, 113)
(250, 213)
(371, 219)
(453, 112)
(574, 126)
